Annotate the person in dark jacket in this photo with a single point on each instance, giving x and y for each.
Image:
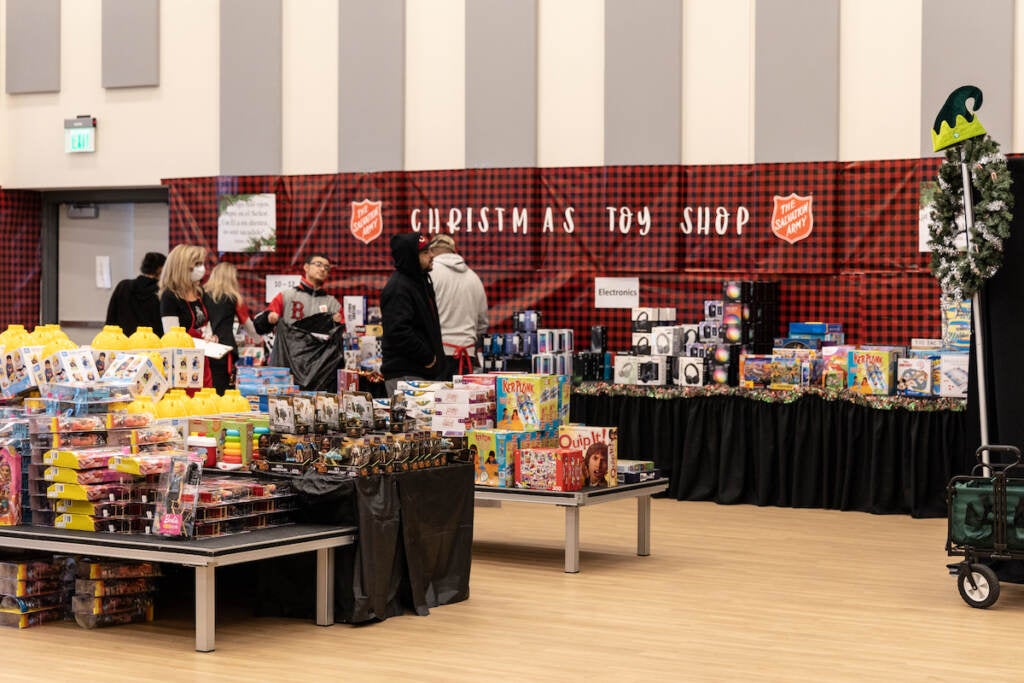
(411, 347)
(134, 301)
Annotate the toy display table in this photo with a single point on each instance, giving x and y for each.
(572, 501)
(205, 555)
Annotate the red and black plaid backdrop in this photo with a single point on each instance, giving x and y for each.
(860, 266)
(21, 258)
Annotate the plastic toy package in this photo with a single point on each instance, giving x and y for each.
(107, 587)
(178, 493)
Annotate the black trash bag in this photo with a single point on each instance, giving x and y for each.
(314, 362)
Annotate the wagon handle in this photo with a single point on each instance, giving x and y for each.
(994, 448)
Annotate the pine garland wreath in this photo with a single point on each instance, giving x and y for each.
(962, 273)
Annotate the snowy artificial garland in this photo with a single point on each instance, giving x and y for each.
(962, 273)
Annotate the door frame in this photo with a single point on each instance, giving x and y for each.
(50, 232)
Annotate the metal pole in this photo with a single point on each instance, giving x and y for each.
(976, 309)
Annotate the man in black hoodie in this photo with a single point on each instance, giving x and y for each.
(134, 302)
(411, 347)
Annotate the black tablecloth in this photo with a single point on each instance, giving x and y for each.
(811, 452)
(414, 549)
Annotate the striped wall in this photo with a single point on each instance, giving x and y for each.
(270, 87)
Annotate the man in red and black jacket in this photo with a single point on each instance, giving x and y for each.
(305, 299)
(411, 347)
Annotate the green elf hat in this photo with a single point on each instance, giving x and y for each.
(955, 123)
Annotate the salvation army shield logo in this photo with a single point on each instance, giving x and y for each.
(792, 217)
(367, 221)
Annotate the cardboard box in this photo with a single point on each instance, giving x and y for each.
(625, 369)
(138, 374)
(526, 402)
(600, 448)
(871, 372)
(953, 375)
(493, 456)
(549, 469)
(688, 372)
(914, 376)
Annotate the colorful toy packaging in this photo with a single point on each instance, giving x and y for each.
(493, 456)
(526, 402)
(549, 469)
(914, 376)
(10, 487)
(600, 448)
(871, 372)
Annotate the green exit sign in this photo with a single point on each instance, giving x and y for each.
(80, 135)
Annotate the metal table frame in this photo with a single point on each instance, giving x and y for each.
(205, 555)
(572, 501)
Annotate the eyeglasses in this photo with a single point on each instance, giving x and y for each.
(320, 264)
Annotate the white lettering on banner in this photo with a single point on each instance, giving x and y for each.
(700, 221)
(429, 220)
(625, 219)
(722, 216)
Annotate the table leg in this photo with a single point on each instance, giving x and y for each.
(572, 539)
(206, 600)
(643, 526)
(325, 586)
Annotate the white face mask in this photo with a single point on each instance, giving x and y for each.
(198, 272)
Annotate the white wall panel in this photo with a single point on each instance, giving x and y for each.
(435, 84)
(718, 83)
(143, 134)
(570, 83)
(879, 90)
(1016, 144)
(310, 86)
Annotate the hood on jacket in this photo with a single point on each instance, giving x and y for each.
(145, 288)
(405, 250)
(451, 261)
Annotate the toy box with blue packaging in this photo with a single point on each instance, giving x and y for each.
(914, 376)
(871, 372)
(526, 402)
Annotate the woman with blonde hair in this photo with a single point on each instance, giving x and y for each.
(181, 295)
(224, 302)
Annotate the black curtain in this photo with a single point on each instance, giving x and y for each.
(810, 452)
(1002, 332)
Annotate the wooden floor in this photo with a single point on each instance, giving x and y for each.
(730, 593)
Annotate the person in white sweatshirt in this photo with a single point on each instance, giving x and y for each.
(461, 304)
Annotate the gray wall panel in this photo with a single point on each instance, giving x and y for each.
(501, 83)
(371, 85)
(250, 87)
(33, 46)
(131, 43)
(643, 82)
(961, 47)
(796, 73)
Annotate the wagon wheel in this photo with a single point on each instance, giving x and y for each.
(985, 590)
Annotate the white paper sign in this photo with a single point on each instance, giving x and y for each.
(616, 292)
(103, 272)
(247, 222)
(279, 283)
